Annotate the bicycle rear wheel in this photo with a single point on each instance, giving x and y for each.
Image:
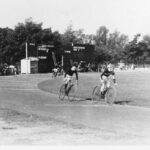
(110, 95)
(62, 93)
(96, 94)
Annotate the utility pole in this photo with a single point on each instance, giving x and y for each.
(26, 50)
(27, 56)
(62, 61)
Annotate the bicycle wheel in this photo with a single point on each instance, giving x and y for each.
(71, 93)
(96, 94)
(110, 95)
(62, 92)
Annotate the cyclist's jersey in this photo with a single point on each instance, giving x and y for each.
(70, 73)
(107, 73)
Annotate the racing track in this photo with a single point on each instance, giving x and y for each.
(121, 124)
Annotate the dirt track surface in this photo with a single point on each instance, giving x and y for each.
(31, 116)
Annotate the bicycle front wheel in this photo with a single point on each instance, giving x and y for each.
(62, 92)
(110, 95)
(96, 94)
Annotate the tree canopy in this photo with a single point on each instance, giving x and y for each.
(108, 46)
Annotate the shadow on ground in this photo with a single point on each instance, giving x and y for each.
(122, 102)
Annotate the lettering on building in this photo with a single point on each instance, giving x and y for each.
(78, 48)
(42, 57)
(67, 51)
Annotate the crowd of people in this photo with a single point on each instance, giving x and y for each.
(6, 69)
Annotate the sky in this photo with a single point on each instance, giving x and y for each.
(126, 16)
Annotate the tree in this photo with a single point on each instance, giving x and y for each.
(116, 45)
(7, 45)
(30, 32)
(76, 36)
(68, 36)
(101, 51)
(101, 36)
(47, 36)
(79, 36)
(138, 51)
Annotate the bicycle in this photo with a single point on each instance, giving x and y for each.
(109, 94)
(57, 72)
(70, 91)
(54, 73)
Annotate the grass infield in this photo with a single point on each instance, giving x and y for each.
(133, 87)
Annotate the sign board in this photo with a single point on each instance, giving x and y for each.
(78, 48)
(44, 50)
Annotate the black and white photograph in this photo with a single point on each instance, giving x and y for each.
(74, 73)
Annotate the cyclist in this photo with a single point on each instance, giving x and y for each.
(55, 71)
(68, 76)
(106, 73)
